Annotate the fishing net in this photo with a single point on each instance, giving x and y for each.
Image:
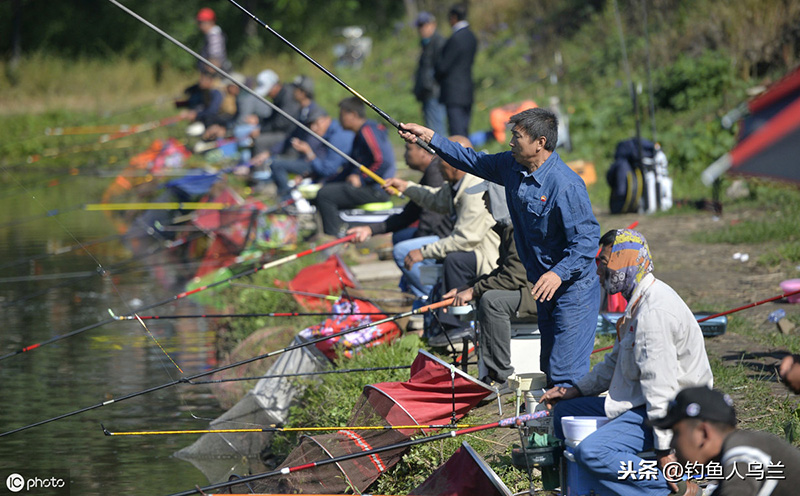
(266, 404)
(428, 397)
(466, 472)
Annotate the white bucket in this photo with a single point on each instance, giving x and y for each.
(576, 429)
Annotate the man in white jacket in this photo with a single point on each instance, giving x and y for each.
(659, 351)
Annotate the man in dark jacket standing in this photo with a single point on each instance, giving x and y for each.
(501, 295)
(454, 72)
(426, 89)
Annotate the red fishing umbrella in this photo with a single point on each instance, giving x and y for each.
(769, 138)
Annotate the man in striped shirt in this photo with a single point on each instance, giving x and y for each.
(214, 41)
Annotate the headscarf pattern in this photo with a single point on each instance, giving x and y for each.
(629, 262)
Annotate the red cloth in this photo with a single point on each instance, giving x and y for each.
(464, 473)
(427, 397)
(321, 278)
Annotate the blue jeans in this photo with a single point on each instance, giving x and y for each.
(434, 112)
(412, 275)
(604, 452)
(281, 168)
(567, 325)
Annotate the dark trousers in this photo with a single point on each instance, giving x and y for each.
(339, 196)
(460, 268)
(280, 174)
(495, 310)
(458, 117)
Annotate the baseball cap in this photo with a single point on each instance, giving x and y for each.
(424, 18)
(314, 113)
(206, 14)
(265, 80)
(699, 403)
(306, 84)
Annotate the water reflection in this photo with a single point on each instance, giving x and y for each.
(107, 362)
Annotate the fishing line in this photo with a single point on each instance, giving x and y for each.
(261, 99)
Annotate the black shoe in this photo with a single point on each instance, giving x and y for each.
(455, 335)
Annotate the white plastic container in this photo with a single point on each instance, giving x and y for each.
(576, 429)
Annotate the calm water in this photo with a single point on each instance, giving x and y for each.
(107, 362)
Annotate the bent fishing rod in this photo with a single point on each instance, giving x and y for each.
(378, 179)
(507, 422)
(186, 380)
(185, 294)
(328, 73)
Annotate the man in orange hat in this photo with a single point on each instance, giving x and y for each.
(214, 45)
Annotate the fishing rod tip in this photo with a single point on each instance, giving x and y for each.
(105, 431)
(113, 315)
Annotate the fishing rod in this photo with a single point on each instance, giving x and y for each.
(105, 272)
(328, 73)
(301, 374)
(112, 129)
(235, 315)
(183, 295)
(68, 249)
(108, 207)
(51, 153)
(286, 291)
(276, 428)
(507, 422)
(260, 98)
(727, 312)
(186, 380)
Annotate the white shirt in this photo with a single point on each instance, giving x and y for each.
(660, 352)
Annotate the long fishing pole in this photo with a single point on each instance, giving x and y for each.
(236, 315)
(108, 207)
(276, 428)
(184, 294)
(508, 422)
(102, 271)
(71, 248)
(301, 374)
(286, 291)
(260, 98)
(186, 380)
(333, 76)
(727, 312)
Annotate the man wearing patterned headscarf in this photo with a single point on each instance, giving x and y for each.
(659, 351)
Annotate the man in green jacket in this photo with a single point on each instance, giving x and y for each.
(502, 295)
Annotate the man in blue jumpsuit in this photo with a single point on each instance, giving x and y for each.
(554, 228)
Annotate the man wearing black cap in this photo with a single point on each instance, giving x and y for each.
(703, 423)
(426, 88)
(311, 157)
